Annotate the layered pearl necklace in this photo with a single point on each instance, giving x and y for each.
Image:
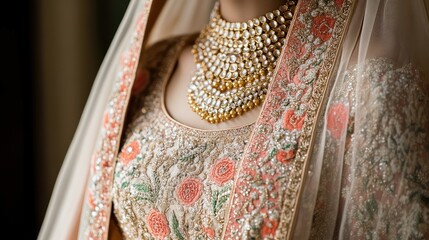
(235, 63)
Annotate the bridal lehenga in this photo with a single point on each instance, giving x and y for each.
(340, 149)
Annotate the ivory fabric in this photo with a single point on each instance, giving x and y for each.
(341, 147)
(171, 180)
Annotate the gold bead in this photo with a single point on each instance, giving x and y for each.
(241, 83)
(228, 85)
(222, 88)
(256, 101)
(215, 84)
(226, 116)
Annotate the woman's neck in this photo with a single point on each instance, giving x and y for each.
(243, 10)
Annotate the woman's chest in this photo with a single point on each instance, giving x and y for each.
(174, 182)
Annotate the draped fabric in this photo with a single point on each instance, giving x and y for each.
(371, 160)
(349, 102)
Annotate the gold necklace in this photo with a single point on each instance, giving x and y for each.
(235, 63)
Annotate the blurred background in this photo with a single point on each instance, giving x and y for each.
(51, 50)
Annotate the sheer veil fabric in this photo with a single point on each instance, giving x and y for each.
(365, 171)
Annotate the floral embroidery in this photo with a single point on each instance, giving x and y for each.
(210, 232)
(222, 171)
(339, 3)
(94, 224)
(157, 224)
(189, 191)
(292, 121)
(323, 26)
(384, 184)
(285, 156)
(129, 152)
(391, 182)
(295, 97)
(176, 167)
(337, 120)
(269, 228)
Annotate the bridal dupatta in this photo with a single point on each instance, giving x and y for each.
(341, 147)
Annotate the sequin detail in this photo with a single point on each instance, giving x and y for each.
(95, 216)
(267, 188)
(183, 174)
(385, 176)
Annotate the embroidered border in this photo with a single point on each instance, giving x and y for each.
(98, 201)
(268, 184)
(344, 9)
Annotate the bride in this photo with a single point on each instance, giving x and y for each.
(301, 119)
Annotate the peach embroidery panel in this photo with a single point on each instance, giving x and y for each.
(96, 212)
(267, 187)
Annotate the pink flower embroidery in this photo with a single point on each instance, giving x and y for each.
(210, 232)
(129, 152)
(222, 171)
(285, 156)
(339, 3)
(157, 224)
(189, 191)
(291, 121)
(269, 228)
(337, 120)
(323, 26)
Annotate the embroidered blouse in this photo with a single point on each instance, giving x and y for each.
(172, 181)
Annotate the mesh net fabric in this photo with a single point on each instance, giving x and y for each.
(368, 176)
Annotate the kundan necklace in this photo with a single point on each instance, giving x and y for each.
(235, 63)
